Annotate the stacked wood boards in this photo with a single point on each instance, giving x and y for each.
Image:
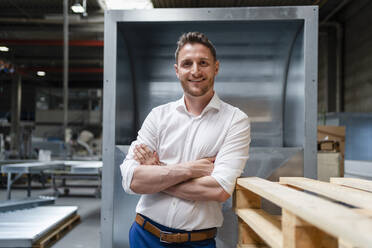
(314, 213)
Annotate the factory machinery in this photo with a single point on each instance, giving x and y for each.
(268, 68)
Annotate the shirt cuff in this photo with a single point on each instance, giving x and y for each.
(127, 170)
(227, 186)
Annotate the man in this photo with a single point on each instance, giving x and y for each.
(202, 143)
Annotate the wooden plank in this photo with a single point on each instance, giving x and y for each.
(247, 236)
(344, 244)
(300, 234)
(366, 212)
(330, 217)
(265, 225)
(53, 236)
(245, 199)
(251, 246)
(350, 196)
(356, 183)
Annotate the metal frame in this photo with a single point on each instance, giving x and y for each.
(79, 169)
(77, 172)
(309, 14)
(25, 168)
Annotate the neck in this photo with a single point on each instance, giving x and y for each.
(195, 105)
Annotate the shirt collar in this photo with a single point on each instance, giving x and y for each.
(214, 103)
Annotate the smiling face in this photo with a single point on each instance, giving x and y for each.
(196, 69)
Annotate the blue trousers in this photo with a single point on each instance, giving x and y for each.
(140, 238)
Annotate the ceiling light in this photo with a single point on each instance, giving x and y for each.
(41, 73)
(77, 8)
(4, 49)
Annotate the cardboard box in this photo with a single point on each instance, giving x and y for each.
(334, 133)
(329, 165)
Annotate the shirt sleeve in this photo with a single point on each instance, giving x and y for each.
(232, 157)
(146, 135)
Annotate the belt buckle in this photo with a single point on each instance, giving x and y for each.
(162, 236)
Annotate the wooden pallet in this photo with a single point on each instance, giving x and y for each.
(57, 233)
(331, 216)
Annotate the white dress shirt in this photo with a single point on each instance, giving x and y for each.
(178, 136)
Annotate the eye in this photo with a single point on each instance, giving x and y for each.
(186, 63)
(204, 63)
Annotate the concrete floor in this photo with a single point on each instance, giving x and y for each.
(85, 234)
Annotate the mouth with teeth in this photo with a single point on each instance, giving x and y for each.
(196, 80)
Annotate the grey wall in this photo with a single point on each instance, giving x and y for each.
(355, 21)
(358, 139)
(358, 60)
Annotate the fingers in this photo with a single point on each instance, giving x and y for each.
(145, 156)
(141, 161)
(138, 156)
(156, 157)
(147, 151)
(142, 151)
(211, 159)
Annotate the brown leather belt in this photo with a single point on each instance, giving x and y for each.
(169, 237)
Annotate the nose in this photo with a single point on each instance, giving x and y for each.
(195, 68)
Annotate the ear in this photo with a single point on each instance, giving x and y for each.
(176, 68)
(217, 65)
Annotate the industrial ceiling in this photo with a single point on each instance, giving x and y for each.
(33, 32)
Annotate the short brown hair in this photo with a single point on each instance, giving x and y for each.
(194, 37)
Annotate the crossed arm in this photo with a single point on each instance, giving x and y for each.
(199, 189)
(190, 181)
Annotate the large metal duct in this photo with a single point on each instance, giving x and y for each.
(268, 69)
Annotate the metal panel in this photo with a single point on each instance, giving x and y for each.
(268, 69)
(124, 204)
(32, 167)
(294, 94)
(22, 227)
(358, 169)
(109, 126)
(252, 59)
(311, 92)
(228, 3)
(85, 167)
(18, 204)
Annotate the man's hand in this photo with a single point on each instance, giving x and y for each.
(199, 168)
(144, 156)
(202, 167)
